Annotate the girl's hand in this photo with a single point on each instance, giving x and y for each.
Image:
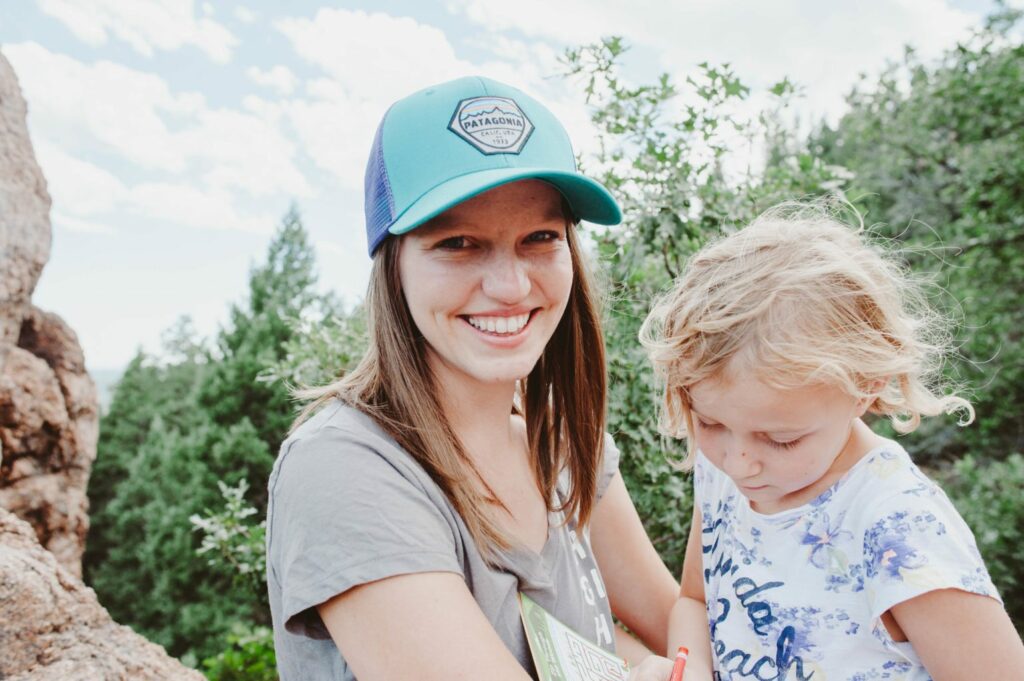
(653, 668)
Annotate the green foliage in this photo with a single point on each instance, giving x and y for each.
(235, 543)
(322, 346)
(279, 290)
(179, 431)
(665, 153)
(935, 151)
(988, 497)
(249, 657)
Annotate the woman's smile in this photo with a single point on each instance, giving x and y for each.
(498, 325)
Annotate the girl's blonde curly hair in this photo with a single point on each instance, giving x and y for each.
(799, 298)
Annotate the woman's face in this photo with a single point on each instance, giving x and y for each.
(488, 280)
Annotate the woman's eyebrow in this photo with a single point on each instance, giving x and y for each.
(439, 222)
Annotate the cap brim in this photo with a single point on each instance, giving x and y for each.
(588, 199)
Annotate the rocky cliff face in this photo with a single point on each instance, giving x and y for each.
(48, 405)
(53, 629)
(51, 626)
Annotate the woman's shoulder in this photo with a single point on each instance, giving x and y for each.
(344, 442)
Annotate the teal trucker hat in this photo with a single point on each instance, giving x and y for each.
(445, 144)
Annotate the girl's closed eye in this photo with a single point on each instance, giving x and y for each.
(783, 445)
(707, 425)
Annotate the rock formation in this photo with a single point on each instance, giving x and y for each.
(48, 404)
(53, 628)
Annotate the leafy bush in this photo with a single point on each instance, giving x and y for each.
(249, 657)
(928, 146)
(664, 151)
(234, 543)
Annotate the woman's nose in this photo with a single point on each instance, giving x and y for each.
(506, 278)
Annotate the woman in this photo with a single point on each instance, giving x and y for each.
(464, 460)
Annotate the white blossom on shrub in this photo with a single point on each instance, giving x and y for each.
(234, 542)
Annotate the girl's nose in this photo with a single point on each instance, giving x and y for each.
(739, 465)
(506, 278)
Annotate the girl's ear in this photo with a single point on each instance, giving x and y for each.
(873, 389)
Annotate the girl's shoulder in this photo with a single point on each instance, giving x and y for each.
(885, 475)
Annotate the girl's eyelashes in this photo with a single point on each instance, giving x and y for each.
(783, 445)
(704, 425)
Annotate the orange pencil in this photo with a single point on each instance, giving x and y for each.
(680, 665)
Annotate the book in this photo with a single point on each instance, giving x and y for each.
(561, 654)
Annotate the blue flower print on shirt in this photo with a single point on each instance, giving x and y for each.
(826, 539)
(823, 536)
(886, 547)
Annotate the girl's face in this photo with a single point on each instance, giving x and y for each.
(488, 280)
(782, 448)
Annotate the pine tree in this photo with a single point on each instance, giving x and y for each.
(176, 427)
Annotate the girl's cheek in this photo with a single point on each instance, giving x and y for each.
(706, 442)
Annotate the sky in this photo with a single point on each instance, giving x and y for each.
(174, 134)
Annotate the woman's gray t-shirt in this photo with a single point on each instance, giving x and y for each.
(349, 506)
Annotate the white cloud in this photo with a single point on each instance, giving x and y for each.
(78, 188)
(110, 108)
(146, 25)
(72, 224)
(821, 46)
(280, 78)
(81, 190)
(119, 107)
(371, 60)
(244, 14)
(375, 57)
(185, 204)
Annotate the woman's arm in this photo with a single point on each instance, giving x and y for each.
(424, 626)
(640, 588)
(427, 626)
(688, 625)
(961, 636)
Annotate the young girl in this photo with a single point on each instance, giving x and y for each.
(818, 550)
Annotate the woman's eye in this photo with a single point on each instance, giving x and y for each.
(452, 243)
(708, 426)
(784, 445)
(544, 236)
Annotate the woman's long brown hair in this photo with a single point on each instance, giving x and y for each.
(562, 401)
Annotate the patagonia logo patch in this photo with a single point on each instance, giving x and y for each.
(494, 125)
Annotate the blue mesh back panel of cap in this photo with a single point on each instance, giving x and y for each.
(378, 200)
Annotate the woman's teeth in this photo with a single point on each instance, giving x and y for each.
(507, 325)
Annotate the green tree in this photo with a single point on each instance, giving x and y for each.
(665, 153)
(148, 388)
(935, 149)
(280, 290)
(178, 428)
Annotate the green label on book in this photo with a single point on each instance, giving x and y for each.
(561, 654)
